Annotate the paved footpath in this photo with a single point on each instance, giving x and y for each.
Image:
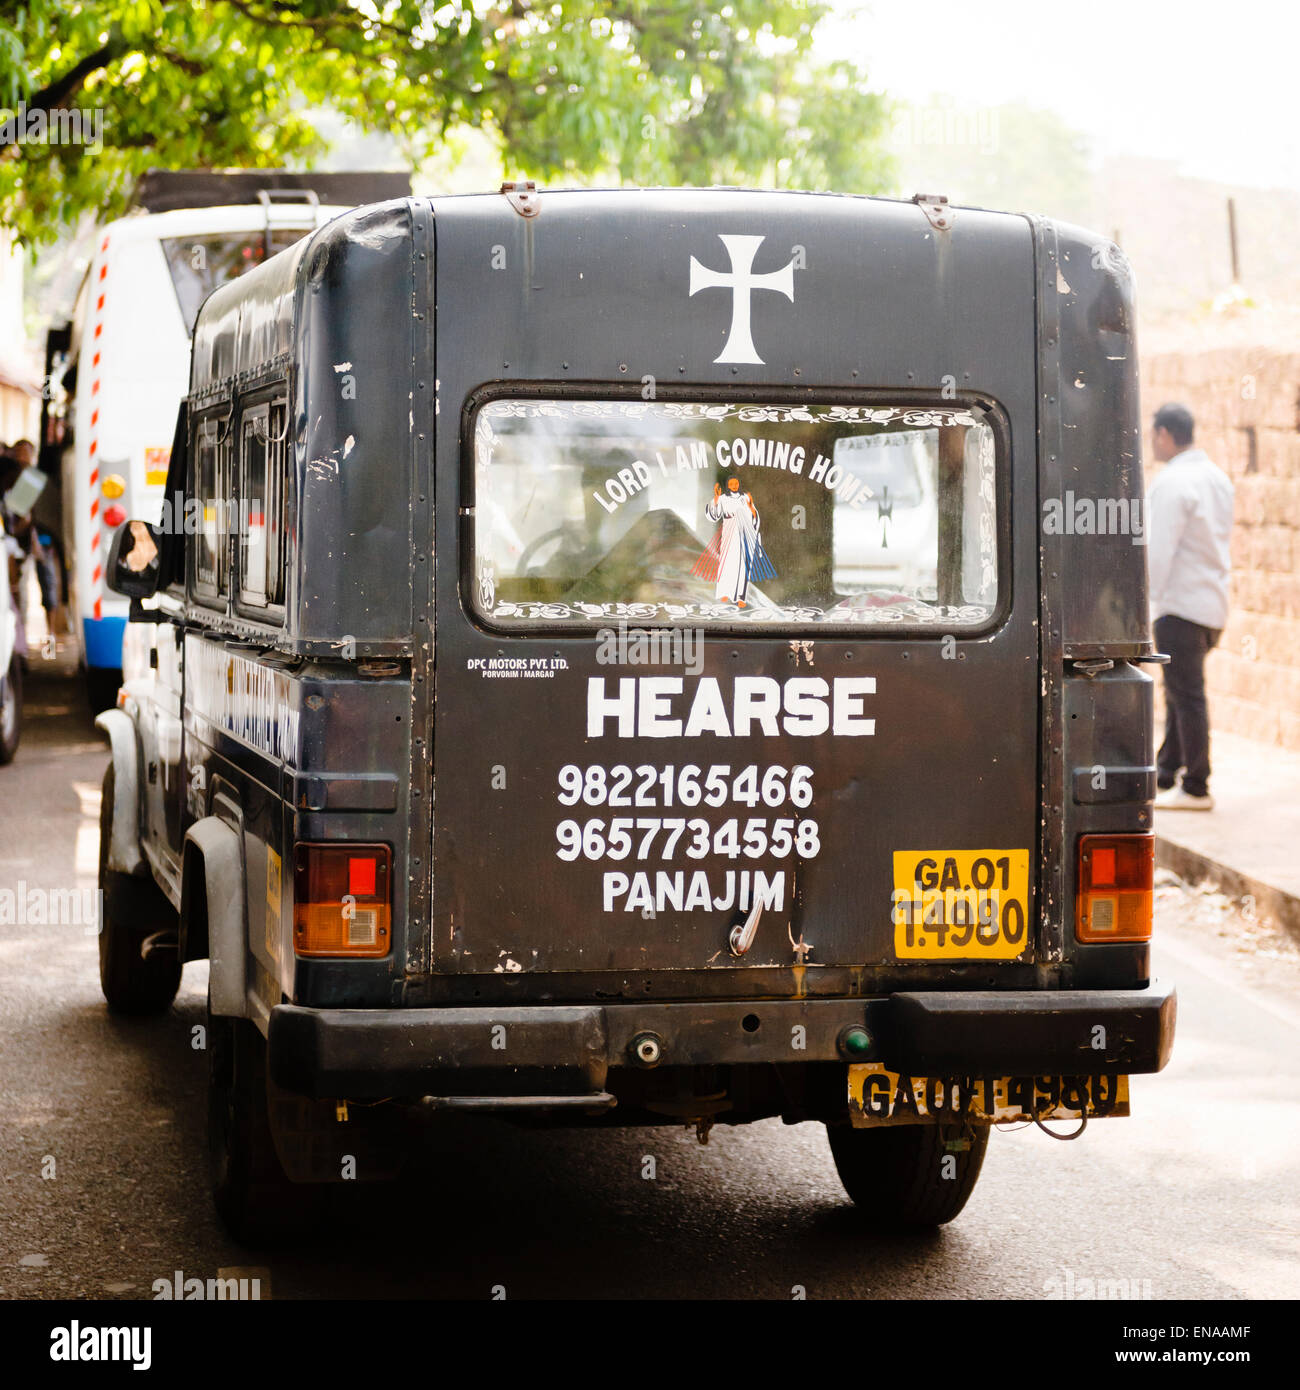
(1249, 846)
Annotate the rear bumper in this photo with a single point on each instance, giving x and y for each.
(371, 1053)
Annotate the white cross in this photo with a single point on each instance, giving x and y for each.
(741, 250)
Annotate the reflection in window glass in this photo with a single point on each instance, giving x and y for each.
(665, 511)
(205, 563)
(212, 494)
(198, 264)
(253, 519)
(276, 483)
(261, 506)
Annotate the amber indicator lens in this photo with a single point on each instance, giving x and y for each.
(1115, 887)
(342, 900)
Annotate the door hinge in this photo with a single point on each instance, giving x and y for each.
(935, 206)
(524, 196)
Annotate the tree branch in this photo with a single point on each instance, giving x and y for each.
(56, 94)
(60, 90)
(191, 66)
(324, 26)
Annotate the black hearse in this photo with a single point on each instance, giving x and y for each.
(647, 658)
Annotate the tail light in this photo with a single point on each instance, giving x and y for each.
(1115, 887)
(342, 900)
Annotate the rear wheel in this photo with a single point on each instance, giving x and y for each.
(256, 1201)
(909, 1176)
(132, 910)
(11, 709)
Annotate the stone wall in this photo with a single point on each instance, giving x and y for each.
(1247, 407)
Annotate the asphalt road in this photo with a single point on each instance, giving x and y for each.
(103, 1158)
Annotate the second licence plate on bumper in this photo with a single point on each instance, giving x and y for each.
(881, 1097)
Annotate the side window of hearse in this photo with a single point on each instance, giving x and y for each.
(277, 486)
(212, 495)
(261, 496)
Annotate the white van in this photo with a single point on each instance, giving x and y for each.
(125, 357)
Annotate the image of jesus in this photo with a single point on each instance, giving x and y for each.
(735, 555)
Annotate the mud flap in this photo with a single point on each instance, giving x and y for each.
(124, 846)
(223, 880)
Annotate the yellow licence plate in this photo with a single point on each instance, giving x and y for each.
(880, 1097)
(961, 904)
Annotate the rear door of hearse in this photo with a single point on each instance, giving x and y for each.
(737, 659)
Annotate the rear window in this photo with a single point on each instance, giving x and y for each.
(678, 512)
(198, 264)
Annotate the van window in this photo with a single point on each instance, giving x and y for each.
(261, 506)
(199, 263)
(666, 511)
(212, 494)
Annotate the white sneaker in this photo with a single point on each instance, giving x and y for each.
(1176, 799)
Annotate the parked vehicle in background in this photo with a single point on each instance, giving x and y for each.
(508, 735)
(117, 371)
(11, 668)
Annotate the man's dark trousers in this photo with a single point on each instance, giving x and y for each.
(1187, 718)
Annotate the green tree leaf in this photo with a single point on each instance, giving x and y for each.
(613, 90)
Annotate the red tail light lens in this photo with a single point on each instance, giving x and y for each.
(342, 900)
(1116, 873)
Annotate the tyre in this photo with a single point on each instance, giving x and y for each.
(898, 1173)
(256, 1202)
(102, 685)
(11, 710)
(131, 909)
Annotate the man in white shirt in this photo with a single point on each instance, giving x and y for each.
(1189, 526)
